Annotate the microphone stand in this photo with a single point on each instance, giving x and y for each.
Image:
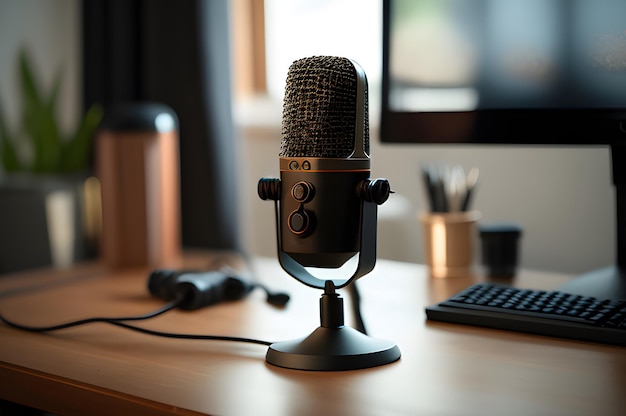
(334, 346)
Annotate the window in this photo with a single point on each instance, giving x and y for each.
(297, 29)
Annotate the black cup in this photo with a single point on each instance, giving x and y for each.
(500, 248)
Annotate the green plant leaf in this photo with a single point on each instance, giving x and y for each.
(8, 154)
(38, 121)
(51, 153)
(76, 152)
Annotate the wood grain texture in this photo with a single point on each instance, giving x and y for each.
(444, 369)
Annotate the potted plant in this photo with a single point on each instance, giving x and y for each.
(42, 198)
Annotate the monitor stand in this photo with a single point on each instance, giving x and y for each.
(607, 283)
(610, 282)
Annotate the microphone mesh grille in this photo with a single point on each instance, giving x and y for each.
(320, 109)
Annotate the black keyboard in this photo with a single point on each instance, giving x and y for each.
(551, 313)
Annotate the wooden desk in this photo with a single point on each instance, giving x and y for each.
(445, 369)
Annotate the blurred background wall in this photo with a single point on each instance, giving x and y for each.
(563, 197)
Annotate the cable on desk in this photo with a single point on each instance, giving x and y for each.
(189, 336)
(120, 321)
(167, 307)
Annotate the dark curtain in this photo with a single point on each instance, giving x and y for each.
(176, 53)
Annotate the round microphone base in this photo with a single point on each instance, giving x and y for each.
(333, 349)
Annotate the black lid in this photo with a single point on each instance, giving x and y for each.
(140, 116)
(500, 228)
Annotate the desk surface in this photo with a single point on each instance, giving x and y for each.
(444, 369)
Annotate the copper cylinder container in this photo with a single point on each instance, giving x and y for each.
(138, 167)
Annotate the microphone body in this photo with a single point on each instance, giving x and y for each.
(323, 161)
(323, 232)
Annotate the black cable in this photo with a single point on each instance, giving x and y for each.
(278, 299)
(188, 336)
(355, 298)
(120, 322)
(168, 307)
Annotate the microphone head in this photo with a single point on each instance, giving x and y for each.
(325, 111)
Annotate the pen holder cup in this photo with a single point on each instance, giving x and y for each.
(449, 242)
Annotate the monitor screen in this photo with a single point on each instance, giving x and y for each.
(504, 71)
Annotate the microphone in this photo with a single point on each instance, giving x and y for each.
(326, 206)
(324, 162)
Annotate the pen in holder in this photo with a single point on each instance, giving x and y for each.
(450, 228)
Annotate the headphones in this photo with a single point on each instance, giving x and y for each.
(197, 289)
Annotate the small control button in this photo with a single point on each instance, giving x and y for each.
(298, 222)
(293, 165)
(302, 191)
(306, 165)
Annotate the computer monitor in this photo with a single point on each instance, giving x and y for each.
(512, 72)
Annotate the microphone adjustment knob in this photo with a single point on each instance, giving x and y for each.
(302, 191)
(269, 188)
(376, 190)
(299, 222)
